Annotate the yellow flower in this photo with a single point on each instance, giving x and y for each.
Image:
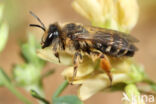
(90, 77)
(48, 55)
(127, 14)
(92, 80)
(100, 12)
(97, 83)
(114, 14)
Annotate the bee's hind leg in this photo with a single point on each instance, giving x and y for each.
(104, 63)
(106, 66)
(76, 61)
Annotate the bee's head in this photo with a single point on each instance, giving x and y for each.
(52, 33)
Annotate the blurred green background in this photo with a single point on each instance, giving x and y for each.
(16, 14)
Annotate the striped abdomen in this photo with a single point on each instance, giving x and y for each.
(115, 46)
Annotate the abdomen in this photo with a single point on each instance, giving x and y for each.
(117, 48)
(116, 52)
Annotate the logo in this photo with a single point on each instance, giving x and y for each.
(134, 99)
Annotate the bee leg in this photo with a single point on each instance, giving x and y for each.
(76, 60)
(58, 56)
(55, 49)
(106, 66)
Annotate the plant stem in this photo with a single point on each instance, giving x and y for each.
(12, 88)
(39, 97)
(47, 73)
(60, 89)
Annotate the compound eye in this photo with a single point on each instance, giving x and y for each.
(48, 40)
(50, 37)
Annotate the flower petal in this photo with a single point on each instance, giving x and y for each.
(95, 84)
(91, 8)
(48, 54)
(101, 13)
(128, 13)
(84, 69)
(79, 9)
(121, 65)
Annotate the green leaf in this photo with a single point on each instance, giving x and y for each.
(3, 35)
(71, 99)
(29, 52)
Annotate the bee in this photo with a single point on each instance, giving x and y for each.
(81, 40)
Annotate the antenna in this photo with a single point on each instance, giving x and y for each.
(42, 25)
(34, 25)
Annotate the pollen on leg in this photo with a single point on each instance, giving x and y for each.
(106, 66)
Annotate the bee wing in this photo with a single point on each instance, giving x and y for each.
(109, 37)
(128, 37)
(107, 32)
(96, 37)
